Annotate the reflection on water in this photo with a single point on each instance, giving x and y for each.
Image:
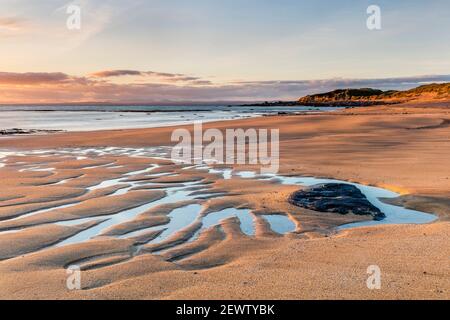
(179, 219)
(245, 217)
(197, 191)
(280, 224)
(174, 195)
(394, 214)
(88, 118)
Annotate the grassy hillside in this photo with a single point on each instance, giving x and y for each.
(368, 96)
(434, 91)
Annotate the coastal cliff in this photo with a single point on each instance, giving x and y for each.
(368, 97)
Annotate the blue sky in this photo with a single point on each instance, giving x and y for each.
(228, 42)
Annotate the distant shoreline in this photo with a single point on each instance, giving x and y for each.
(322, 104)
(142, 108)
(120, 110)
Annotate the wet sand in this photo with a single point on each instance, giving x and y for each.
(404, 148)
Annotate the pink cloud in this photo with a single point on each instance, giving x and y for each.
(165, 76)
(32, 78)
(116, 73)
(10, 23)
(61, 88)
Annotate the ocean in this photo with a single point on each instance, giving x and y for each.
(87, 118)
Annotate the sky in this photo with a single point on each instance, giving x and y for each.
(154, 51)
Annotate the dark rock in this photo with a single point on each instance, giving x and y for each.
(335, 197)
(17, 131)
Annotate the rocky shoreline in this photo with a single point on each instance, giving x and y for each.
(17, 131)
(366, 97)
(340, 103)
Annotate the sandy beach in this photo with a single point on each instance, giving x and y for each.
(225, 157)
(51, 201)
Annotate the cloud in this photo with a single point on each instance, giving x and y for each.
(167, 77)
(39, 78)
(202, 82)
(96, 17)
(10, 23)
(343, 82)
(115, 73)
(31, 78)
(11, 26)
(60, 88)
(292, 89)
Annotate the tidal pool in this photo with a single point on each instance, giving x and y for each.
(394, 214)
(186, 216)
(279, 223)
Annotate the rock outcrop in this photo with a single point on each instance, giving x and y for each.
(335, 197)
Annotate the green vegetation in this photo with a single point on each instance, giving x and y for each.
(441, 90)
(368, 96)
